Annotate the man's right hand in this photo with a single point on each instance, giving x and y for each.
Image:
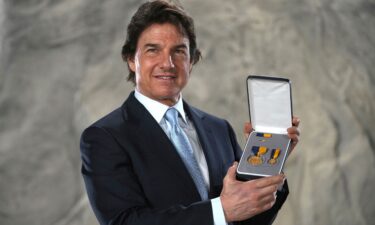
(242, 200)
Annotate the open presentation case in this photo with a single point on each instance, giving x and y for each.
(270, 107)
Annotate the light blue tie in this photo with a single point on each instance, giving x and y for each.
(184, 149)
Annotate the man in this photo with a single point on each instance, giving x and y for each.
(156, 159)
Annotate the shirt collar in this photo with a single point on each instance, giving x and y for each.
(157, 109)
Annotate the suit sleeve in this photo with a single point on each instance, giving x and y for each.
(268, 216)
(115, 193)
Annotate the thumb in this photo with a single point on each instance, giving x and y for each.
(231, 173)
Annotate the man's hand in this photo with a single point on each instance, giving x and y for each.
(247, 128)
(293, 132)
(242, 200)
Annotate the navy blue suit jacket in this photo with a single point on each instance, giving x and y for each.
(134, 175)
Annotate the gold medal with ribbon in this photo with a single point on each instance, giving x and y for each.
(274, 155)
(256, 159)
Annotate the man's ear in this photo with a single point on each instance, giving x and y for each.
(190, 67)
(131, 63)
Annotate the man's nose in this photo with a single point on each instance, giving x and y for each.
(167, 61)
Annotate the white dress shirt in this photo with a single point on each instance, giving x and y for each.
(157, 110)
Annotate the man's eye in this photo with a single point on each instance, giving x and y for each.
(180, 51)
(151, 50)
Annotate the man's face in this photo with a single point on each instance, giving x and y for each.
(161, 63)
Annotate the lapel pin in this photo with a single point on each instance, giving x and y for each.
(265, 135)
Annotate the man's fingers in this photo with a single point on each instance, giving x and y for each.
(270, 198)
(295, 121)
(247, 128)
(268, 205)
(231, 173)
(269, 181)
(293, 133)
(293, 137)
(293, 130)
(267, 192)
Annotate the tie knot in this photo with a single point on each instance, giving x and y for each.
(171, 116)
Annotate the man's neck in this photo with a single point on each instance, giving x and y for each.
(156, 108)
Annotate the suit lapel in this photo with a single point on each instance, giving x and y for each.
(158, 143)
(208, 143)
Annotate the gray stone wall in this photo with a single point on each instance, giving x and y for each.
(61, 70)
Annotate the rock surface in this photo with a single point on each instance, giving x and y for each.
(60, 70)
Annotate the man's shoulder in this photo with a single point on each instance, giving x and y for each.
(107, 124)
(116, 117)
(110, 119)
(206, 116)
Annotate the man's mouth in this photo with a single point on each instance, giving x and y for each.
(165, 77)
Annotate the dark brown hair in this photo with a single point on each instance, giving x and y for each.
(158, 12)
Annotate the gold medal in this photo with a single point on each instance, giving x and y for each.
(256, 159)
(275, 154)
(272, 161)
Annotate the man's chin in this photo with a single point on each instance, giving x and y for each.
(170, 98)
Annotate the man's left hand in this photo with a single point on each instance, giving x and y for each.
(293, 132)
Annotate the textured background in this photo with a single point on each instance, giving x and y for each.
(60, 70)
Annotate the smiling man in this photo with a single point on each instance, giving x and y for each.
(158, 160)
(161, 63)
